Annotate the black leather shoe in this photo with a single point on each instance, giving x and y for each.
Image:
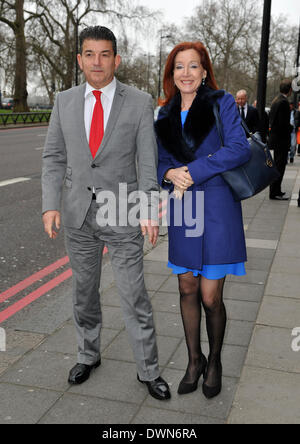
(189, 387)
(81, 372)
(158, 388)
(279, 198)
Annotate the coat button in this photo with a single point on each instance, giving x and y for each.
(93, 165)
(89, 188)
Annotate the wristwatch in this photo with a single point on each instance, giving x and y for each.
(167, 181)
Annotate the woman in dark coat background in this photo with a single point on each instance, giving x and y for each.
(191, 160)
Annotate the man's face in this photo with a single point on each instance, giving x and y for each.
(241, 99)
(98, 62)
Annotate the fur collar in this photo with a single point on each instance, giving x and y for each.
(183, 142)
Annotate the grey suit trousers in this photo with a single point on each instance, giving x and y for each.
(85, 249)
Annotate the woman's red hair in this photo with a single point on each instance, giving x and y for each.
(170, 89)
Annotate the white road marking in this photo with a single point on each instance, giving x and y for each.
(40, 148)
(11, 181)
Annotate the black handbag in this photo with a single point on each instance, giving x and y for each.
(253, 176)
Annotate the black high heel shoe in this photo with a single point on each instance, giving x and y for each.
(212, 391)
(189, 387)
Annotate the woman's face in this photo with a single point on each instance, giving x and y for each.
(188, 71)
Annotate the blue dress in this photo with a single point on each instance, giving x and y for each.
(210, 271)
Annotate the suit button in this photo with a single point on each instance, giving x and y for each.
(89, 188)
(93, 165)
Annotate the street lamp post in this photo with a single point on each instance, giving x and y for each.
(296, 81)
(298, 50)
(76, 47)
(263, 62)
(160, 57)
(148, 57)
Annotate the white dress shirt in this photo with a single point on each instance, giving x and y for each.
(107, 97)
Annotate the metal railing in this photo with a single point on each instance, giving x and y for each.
(29, 117)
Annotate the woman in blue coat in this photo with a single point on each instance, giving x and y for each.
(191, 161)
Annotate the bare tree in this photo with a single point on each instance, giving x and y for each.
(226, 27)
(53, 33)
(7, 62)
(283, 42)
(231, 31)
(12, 14)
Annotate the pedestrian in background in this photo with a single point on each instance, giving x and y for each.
(191, 159)
(293, 146)
(247, 112)
(280, 136)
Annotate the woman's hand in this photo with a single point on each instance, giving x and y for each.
(180, 177)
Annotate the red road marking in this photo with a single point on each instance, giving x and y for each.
(33, 278)
(5, 314)
(10, 311)
(13, 309)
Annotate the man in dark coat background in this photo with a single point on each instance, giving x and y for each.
(280, 135)
(248, 113)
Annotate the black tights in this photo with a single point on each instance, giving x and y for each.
(194, 290)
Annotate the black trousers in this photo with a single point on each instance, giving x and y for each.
(280, 159)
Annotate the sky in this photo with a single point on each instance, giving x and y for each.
(176, 9)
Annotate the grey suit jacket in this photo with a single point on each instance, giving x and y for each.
(127, 154)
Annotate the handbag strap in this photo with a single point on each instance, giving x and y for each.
(269, 160)
(246, 128)
(218, 122)
(220, 126)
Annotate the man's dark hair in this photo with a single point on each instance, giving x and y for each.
(285, 86)
(98, 33)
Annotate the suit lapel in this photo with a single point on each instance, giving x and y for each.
(113, 117)
(79, 107)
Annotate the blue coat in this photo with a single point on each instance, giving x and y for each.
(197, 145)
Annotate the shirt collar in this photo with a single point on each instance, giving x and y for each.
(108, 90)
(245, 106)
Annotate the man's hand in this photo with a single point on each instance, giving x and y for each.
(151, 227)
(51, 218)
(180, 177)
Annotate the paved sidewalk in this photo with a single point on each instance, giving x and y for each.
(261, 382)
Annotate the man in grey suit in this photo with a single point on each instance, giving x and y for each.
(101, 135)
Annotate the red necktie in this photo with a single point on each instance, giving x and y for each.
(97, 126)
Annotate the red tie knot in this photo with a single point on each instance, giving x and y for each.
(97, 94)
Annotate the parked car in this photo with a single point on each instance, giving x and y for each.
(45, 106)
(7, 103)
